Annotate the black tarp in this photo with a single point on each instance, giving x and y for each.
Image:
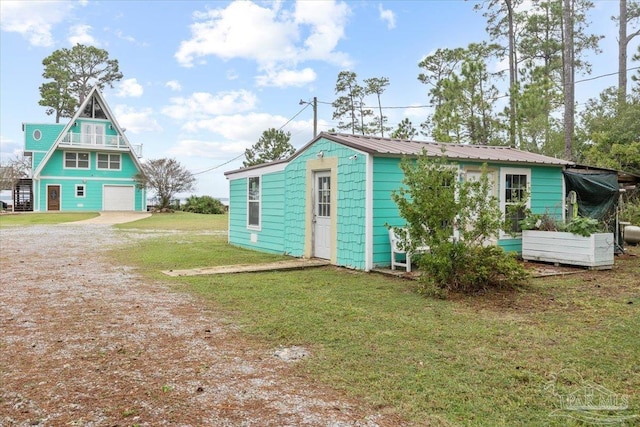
(597, 196)
(597, 193)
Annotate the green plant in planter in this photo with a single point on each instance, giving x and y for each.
(545, 222)
(582, 226)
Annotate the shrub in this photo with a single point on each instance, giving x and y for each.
(630, 210)
(204, 205)
(459, 267)
(435, 202)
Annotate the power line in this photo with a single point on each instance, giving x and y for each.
(400, 107)
(242, 154)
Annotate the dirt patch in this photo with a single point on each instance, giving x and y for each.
(620, 284)
(88, 343)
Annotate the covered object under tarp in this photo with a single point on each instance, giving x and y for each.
(597, 194)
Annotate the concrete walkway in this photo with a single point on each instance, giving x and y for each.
(115, 217)
(294, 264)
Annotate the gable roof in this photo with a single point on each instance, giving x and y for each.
(402, 147)
(94, 92)
(391, 147)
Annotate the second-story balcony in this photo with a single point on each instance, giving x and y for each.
(98, 141)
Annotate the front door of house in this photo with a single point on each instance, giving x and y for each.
(53, 197)
(322, 215)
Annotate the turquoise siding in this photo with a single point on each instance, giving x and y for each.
(351, 199)
(49, 132)
(238, 233)
(54, 173)
(351, 209)
(285, 211)
(270, 237)
(546, 196)
(387, 176)
(69, 202)
(55, 166)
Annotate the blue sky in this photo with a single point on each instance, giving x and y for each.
(204, 79)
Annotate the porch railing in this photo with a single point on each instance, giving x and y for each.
(84, 140)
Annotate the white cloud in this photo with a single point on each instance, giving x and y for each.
(174, 85)
(136, 121)
(388, 16)
(327, 20)
(221, 150)
(80, 34)
(236, 132)
(237, 127)
(10, 148)
(273, 37)
(130, 88)
(285, 78)
(242, 30)
(34, 20)
(203, 104)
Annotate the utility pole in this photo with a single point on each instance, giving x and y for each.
(315, 116)
(314, 104)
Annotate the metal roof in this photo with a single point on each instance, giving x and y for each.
(391, 147)
(400, 147)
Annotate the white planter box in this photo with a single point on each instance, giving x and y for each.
(595, 251)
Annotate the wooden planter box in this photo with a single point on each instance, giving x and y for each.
(595, 251)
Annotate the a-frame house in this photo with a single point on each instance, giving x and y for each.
(87, 164)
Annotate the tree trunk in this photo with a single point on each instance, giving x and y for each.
(513, 75)
(568, 76)
(622, 53)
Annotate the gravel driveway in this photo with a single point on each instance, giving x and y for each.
(87, 343)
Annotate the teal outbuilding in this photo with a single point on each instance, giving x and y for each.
(87, 164)
(332, 198)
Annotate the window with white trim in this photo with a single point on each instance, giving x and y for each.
(80, 191)
(514, 188)
(253, 202)
(108, 161)
(76, 160)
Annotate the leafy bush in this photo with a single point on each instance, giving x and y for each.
(204, 205)
(456, 266)
(630, 210)
(435, 203)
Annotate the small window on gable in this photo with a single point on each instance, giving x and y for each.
(253, 202)
(94, 109)
(80, 190)
(37, 135)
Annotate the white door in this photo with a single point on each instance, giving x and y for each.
(322, 215)
(119, 198)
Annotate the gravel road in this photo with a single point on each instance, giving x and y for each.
(88, 343)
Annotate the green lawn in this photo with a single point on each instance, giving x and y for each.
(482, 360)
(36, 218)
(183, 221)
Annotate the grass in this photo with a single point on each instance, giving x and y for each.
(471, 360)
(30, 218)
(181, 221)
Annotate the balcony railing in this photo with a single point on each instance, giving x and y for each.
(100, 141)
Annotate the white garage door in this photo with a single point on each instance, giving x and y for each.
(119, 198)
